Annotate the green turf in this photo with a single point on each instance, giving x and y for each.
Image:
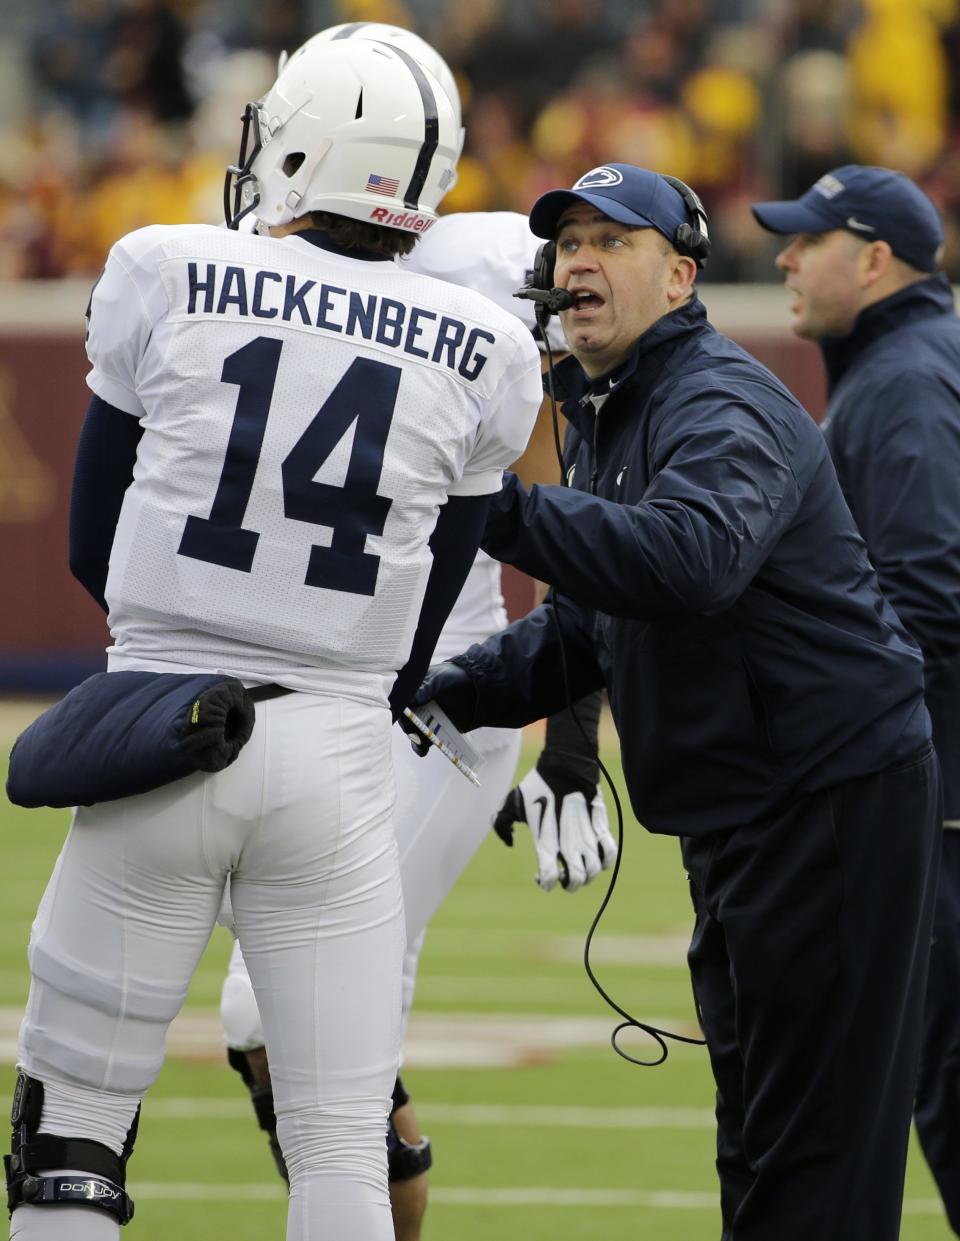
(497, 946)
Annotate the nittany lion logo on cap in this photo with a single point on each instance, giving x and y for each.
(598, 177)
(829, 186)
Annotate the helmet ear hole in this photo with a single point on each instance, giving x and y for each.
(292, 163)
(359, 111)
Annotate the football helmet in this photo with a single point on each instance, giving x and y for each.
(411, 43)
(358, 128)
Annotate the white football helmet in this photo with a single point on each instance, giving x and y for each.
(411, 43)
(356, 128)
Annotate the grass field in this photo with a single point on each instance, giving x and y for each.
(540, 1132)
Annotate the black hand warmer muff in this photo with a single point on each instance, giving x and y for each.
(122, 733)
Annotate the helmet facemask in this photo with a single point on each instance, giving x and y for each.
(239, 181)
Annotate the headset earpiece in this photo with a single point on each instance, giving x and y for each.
(543, 264)
(691, 239)
(540, 288)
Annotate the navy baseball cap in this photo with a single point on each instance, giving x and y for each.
(875, 204)
(629, 195)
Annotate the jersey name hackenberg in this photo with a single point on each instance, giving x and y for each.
(305, 415)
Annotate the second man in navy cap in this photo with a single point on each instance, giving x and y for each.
(861, 270)
(708, 574)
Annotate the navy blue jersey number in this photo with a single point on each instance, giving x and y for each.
(367, 396)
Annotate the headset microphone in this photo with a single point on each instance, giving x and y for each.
(552, 300)
(541, 290)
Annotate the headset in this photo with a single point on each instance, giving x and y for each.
(691, 239)
(541, 290)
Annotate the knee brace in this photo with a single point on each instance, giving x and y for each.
(404, 1159)
(101, 1181)
(261, 1096)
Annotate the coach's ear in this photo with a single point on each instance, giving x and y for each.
(683, 275)
(875, 261)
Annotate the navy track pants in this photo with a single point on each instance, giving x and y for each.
(937, 1113)
(809, 966)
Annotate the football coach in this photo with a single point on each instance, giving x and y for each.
(861, 260)
(707, 572)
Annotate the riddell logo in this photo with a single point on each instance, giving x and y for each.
(401, 219)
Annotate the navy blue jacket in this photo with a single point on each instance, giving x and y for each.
(715, 583)
(893, 429)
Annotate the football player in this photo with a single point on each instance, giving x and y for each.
(440, 819)
(283, 476)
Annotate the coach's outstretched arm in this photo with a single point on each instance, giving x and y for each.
(721, 494)
(517, 675)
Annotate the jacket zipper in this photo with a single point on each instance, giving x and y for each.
(596, 453)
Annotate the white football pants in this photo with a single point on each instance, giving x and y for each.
(440, 821)
(301, 823)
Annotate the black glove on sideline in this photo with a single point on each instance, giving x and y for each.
(453, 690)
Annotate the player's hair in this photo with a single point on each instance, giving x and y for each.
(361, 235)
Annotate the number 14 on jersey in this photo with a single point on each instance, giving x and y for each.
(367, 395)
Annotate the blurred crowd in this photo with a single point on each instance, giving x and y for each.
(126, 111)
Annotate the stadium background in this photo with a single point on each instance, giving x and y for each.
(119, 113)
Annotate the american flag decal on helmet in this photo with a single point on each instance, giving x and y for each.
(382, 185)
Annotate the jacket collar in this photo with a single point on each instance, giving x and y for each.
(921, 300)
(645, 362)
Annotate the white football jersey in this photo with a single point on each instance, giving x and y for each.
(305, 415)
(492, 252)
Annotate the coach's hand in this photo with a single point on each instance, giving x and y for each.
(454, 692)
(569, 825)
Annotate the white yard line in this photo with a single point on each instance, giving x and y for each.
(434, 1040)
(517, 1196)
(550, 1116)
(667, 949)
(472, 1115)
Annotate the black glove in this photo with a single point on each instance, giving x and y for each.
(452, 689)
(419, 742)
